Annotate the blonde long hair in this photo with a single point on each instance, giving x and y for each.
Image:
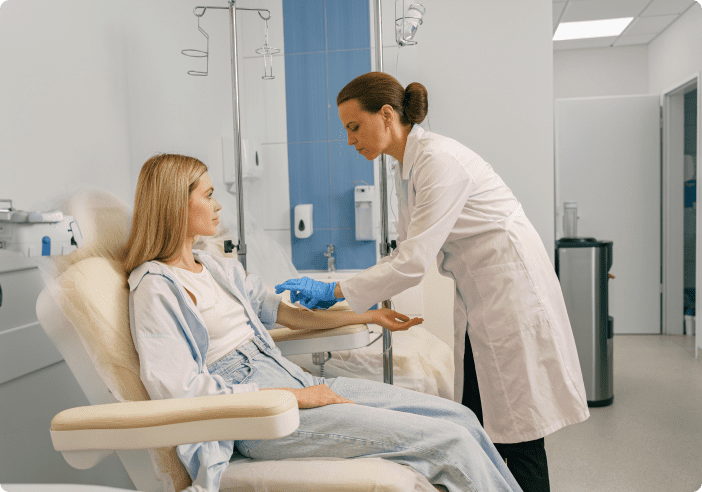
(159, 224)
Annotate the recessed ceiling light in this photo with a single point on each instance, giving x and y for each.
(591, 29)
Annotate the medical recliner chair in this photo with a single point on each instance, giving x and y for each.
(84, 310)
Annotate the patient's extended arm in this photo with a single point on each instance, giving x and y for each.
(296, 318)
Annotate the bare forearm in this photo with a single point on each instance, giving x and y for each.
(337, 291)
(295, 318)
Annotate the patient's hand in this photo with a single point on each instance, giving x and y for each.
(315, 396)
(387, 318)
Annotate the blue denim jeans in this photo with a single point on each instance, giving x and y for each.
(439, 438)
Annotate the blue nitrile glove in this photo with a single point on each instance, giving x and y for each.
(309, 292)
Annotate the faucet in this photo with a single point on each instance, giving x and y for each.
(331, 261)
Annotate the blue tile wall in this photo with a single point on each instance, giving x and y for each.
(305, 82)
(303, 26)
(310, 183)
(347, 166)
(348, 25)
(327, 44)
(344, 66)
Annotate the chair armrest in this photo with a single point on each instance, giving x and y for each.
(86, 435)
(309, 341)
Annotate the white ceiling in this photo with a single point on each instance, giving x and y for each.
(651, 17)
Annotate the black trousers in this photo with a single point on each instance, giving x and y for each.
(526, 460)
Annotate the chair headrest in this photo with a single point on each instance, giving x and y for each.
(104, 221)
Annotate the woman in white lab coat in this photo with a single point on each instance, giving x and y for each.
(521, 374)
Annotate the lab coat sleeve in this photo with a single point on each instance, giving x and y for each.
(169, 366)
(443, 186)
(387, 258)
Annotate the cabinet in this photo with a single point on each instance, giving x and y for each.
(24, 347)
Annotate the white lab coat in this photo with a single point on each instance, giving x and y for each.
(454, 208)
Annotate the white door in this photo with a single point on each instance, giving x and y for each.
(608, 159)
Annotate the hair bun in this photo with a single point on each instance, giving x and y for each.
(416, 104)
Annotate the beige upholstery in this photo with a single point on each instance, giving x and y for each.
(94, 296)
(86, 435)
(131, 415)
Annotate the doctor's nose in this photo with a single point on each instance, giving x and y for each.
(351, 140)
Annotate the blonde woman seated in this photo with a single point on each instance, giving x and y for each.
(199, 324)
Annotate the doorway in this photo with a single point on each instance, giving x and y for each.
(679, 222)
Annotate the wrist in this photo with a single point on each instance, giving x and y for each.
(368, 317)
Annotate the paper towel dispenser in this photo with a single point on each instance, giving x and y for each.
(251, 159)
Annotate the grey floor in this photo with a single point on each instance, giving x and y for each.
(650, 438)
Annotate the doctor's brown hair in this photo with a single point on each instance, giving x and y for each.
(373, 90)
(159, 223)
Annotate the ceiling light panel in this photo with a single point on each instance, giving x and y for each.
(587, 10)
(591, 29)
(665, 7)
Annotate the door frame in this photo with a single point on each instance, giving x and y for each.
(672, 222)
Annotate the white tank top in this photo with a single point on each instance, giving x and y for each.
(225, 317)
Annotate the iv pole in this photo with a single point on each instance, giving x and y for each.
(384, 246)
(241, 247)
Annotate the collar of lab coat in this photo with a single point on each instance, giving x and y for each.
(411, 150)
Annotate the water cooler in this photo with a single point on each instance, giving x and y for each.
(582, 266)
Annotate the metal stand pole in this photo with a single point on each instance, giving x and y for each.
(384, 246)
(237, 134)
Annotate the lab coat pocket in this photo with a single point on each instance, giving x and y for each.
(509, 302)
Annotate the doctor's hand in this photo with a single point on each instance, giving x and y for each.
(311, 293)
(315, 396)
(392, 320)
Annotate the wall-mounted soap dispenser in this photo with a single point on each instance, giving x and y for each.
(303, 220)
(363, 196)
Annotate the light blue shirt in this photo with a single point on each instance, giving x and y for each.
(171, 339)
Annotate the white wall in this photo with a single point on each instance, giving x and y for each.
(598, 72)
(88, 99)
(676, 54)
(63, 125)
(488, 69)
(89, 91)
(63, 112)
(171, 111)
(621, 71)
